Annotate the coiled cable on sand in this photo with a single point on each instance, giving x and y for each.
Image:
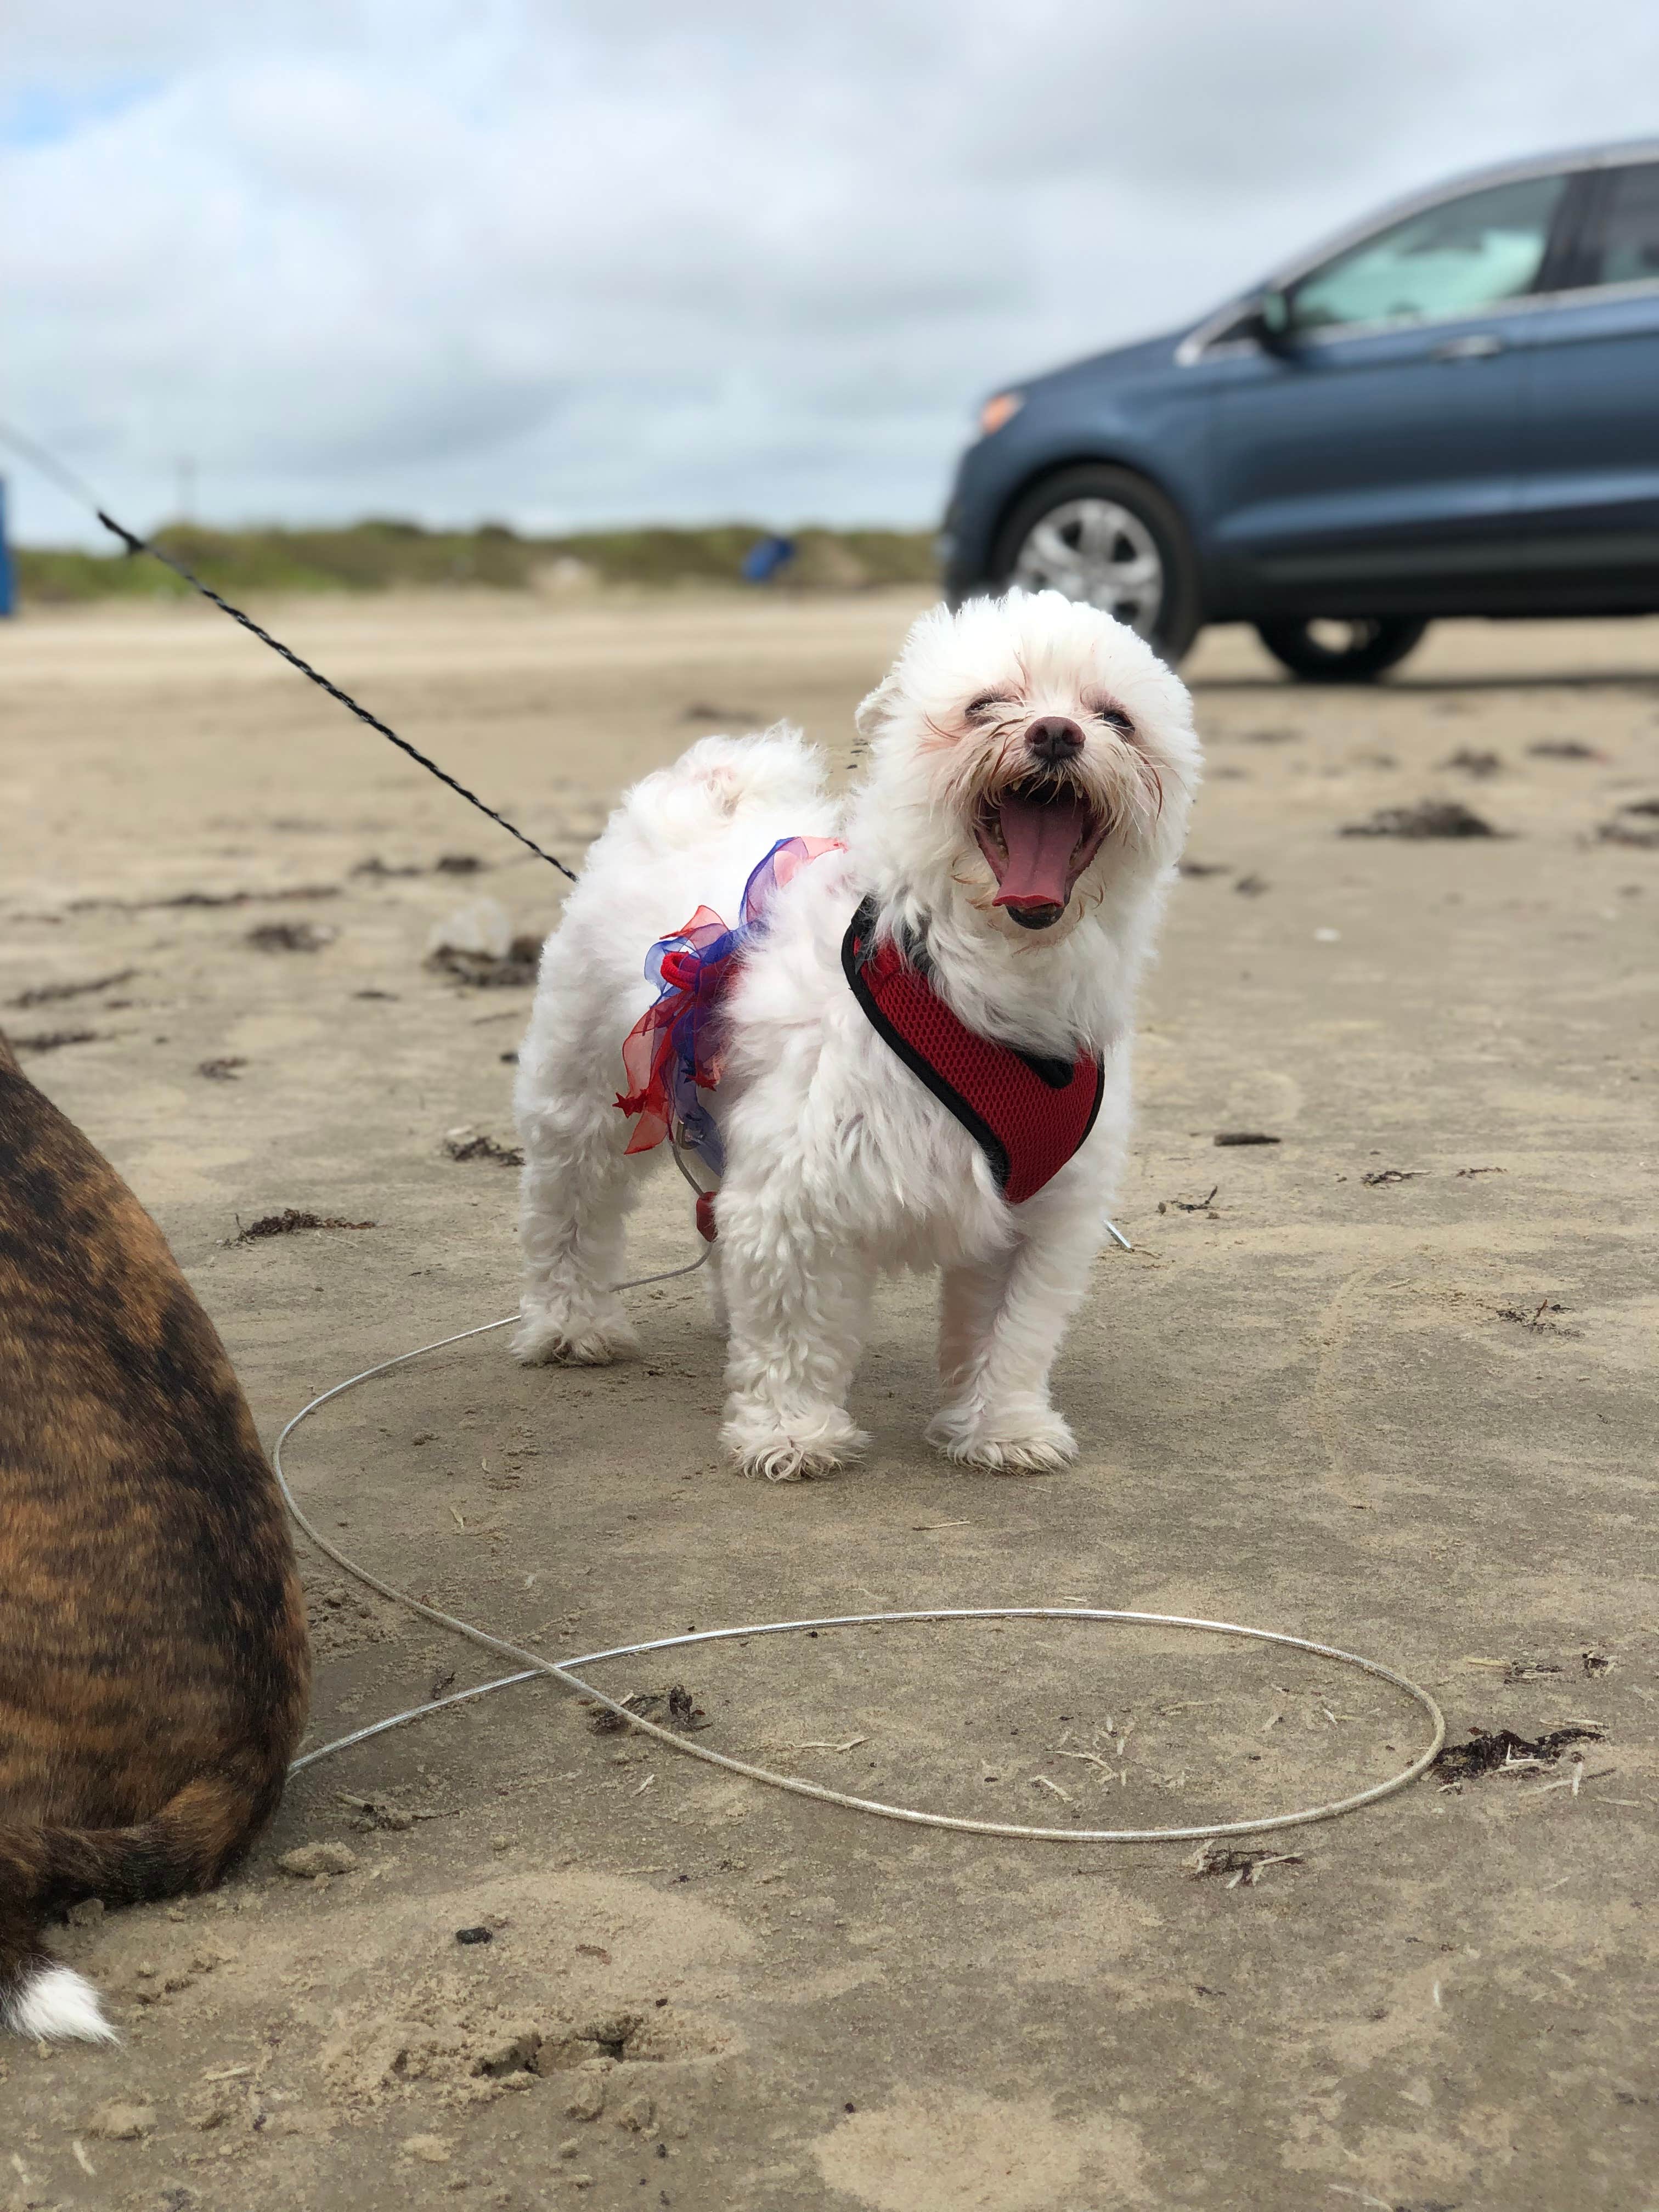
(530, 1664)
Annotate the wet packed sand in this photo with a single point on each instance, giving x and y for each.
(1387, 1381)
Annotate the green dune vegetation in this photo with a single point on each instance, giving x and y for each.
(378, 556)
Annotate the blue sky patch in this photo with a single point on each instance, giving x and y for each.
(45, 114)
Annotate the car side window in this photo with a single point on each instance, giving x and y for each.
(1453, 259)
(1625, 250)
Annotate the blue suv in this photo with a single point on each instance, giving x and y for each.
(1451, 409)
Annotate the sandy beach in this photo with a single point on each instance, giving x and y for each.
(1385, 1382)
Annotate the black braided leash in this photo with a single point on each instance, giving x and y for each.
(142, 546)
(66, 480)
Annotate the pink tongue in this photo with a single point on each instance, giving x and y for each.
(1041, 841)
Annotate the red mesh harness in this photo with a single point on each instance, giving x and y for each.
(1027, 1115)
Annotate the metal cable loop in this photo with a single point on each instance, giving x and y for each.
(531, 1664)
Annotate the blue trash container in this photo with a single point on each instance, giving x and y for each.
(765, 557)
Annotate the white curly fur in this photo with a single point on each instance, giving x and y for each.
(57, 2004)
(839, 1162)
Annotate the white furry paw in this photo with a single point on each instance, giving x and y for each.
(783, 1449)
(1024, 1443)
(568, 1336)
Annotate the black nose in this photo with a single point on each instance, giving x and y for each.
(1054, 739)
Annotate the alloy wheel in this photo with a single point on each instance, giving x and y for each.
(1095, 550)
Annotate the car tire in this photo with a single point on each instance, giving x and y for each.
(1105, 535)
(1373, 646)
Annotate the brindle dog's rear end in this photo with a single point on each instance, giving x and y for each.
(154, 1666)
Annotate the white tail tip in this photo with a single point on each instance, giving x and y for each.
(58, 2004)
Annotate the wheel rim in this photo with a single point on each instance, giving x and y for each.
(1342, 640)
(1094, 549)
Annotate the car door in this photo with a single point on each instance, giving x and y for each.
(1589, 443)
(1368, 462)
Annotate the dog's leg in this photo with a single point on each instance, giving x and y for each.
(573, 1205)
(797, 1308)
(1000, 1324)
(717, 1298)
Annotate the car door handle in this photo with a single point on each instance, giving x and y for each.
(1480, 345)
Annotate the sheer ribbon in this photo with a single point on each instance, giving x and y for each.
(673, 1051)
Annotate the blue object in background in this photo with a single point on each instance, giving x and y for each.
(765, 557)
(1453, 409)
(8, 579)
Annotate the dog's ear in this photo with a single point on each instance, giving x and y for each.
(873, 708)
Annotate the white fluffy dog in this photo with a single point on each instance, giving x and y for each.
(1031, 768)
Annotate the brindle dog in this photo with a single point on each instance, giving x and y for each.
(153, 1665)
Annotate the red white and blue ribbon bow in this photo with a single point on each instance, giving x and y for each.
(673, 1051)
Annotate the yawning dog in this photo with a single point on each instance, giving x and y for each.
(900, 1026)
(154, 1666)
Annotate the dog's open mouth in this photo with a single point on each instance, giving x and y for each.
(1038, 837)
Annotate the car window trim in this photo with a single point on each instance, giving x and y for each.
(1207, 341)
(1523, 303)
(1632, 288)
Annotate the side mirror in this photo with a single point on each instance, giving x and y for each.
(1269, 322)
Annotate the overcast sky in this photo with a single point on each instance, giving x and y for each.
(682, 259)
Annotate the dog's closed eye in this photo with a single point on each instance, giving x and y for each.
(987, 700)
(1114, 718)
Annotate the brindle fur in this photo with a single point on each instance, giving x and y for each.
(154, 1663)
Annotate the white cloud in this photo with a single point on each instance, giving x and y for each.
(558, 263)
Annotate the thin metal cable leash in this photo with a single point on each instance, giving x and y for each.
(532, 1664)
